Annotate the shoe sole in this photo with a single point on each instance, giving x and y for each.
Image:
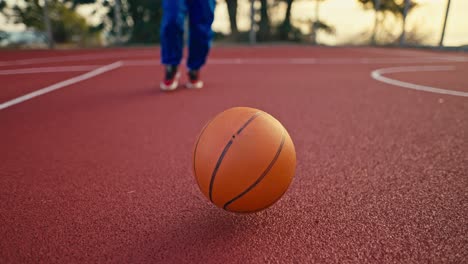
(197, 85)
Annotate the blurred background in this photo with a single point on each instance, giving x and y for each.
(101, 23)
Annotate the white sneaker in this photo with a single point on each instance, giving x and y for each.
(171, 79)
(194, 80)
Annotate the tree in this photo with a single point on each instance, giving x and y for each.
(391, 6)
(264, 27)
(286, 26)
(232, 12)
(399, 9)
(66, 23)
(2, 6)
(285, 30)
(146, 16)
(141, 20)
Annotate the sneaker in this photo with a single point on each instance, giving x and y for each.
(171, 78)
(194, 80)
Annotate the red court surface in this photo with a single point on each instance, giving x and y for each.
(100, 171)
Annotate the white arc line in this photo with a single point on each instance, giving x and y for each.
(378, 75)
(61, 84)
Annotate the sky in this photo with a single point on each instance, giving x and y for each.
(349, 19)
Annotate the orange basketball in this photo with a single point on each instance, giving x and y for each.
(244, 160)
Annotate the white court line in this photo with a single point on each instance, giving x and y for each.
(119, 56)
(49, 69)
(83, 57)
(61, 84)
(308, 61)
(221, 61)
(215, 61)
(378, 75)
(149, 53)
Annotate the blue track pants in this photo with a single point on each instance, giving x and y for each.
(201, 15)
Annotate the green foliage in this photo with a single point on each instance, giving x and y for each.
(146, 16)
(2, 5)
(141, 20)
(67, 24)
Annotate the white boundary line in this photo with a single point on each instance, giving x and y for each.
(234, 61)
(308, 61)
(241, 61)
(61, 84)
(83, 57)
(410, 56)
(378, 75)
(221, 61)
(49, 69)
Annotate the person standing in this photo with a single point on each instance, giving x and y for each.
(200, 17)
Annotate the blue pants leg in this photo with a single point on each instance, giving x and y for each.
(201, 15)
(172, 31)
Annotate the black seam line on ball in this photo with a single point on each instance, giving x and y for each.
(278, 152)
(258, 209)
(248, 122)
(226, 148)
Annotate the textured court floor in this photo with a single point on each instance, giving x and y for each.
(96, 162)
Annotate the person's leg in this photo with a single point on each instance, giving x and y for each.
(172, 42)
(201, 15)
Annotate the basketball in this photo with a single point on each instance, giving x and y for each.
(244, 160)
